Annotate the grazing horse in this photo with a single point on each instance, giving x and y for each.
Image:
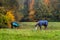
(14, 24)
(42, 23)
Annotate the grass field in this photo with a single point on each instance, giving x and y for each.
(51, 25)
(27, 32)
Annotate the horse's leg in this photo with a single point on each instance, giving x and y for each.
(36, 26)
(45, 27)
(40, 28)
(11, 26)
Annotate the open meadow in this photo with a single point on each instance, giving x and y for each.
(27, 32)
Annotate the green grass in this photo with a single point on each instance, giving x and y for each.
(27, 32)
(51, 25)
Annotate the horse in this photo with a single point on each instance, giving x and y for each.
(41, 23)
(15, 24)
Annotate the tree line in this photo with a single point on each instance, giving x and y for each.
(28, 10)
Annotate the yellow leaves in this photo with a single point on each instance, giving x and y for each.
(10, 16)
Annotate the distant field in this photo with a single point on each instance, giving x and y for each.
(51, 25)
(27, 32)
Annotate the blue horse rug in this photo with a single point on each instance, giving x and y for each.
(42, 23)
(15, 24)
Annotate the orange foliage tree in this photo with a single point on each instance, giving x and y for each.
(10, 17)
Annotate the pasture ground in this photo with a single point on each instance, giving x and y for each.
(27, 32)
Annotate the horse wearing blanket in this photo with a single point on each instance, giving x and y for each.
(15, 24)
(42, 23)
